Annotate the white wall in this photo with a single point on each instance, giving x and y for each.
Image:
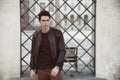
(108, 38)
(9, 39)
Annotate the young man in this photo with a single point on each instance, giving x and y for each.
(48, 51)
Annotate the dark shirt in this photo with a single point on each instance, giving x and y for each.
(45, 56)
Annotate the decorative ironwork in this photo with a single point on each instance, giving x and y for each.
(76, 20)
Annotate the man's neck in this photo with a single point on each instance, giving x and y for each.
(45, 30)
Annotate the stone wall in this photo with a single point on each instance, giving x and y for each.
(9, 39)
(108, 39)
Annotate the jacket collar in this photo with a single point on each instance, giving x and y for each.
(52, 41)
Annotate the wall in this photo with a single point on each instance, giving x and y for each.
(108, 39)
(9, 39)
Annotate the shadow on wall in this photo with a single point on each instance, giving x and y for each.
(116, 74)
(117, 4)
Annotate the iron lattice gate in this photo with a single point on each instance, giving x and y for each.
(76, 19)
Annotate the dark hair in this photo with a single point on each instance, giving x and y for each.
(44, 13)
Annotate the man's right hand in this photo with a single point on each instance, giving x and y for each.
(32, 74)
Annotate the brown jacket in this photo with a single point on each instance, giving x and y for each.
(57, 46)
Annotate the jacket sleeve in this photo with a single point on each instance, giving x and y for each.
(61, 52)
(32, 61)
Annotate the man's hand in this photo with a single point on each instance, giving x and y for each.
(55, 71)
(32, 74)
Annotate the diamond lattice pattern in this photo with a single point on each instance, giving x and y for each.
(76, 20)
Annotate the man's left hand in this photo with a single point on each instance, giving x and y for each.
(55, 71)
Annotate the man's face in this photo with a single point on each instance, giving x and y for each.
(45, 22)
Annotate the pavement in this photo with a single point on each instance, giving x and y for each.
(72, 78)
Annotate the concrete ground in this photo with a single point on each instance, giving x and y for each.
(66, 76)
(72, 78)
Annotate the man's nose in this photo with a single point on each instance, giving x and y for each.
(45, 22)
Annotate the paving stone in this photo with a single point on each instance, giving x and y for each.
(72, 78)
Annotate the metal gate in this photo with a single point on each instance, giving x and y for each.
(76, 19)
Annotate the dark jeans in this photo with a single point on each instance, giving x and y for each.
(46, 75)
